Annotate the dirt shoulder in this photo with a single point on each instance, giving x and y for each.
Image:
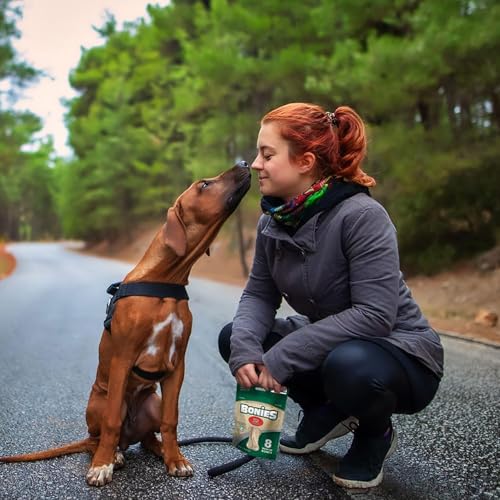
(7, 262)
(450, 300)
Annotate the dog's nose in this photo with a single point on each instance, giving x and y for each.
(242, 163)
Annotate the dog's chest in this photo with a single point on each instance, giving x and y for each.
(160, 351)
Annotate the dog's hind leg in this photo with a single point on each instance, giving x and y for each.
(153, 444)
(119, 462)
(150, 418)
(142, 420)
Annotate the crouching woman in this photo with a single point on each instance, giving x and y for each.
(360, 350)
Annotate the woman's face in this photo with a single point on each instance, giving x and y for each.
(279, 175)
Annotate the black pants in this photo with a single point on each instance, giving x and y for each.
(359, 378)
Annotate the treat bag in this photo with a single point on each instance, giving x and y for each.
(258, 420)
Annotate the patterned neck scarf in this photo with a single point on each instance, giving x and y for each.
(292, 212)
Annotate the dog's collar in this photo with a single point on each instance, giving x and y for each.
(153, 376)
(148, 289)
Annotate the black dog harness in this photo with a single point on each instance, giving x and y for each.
(142, 289)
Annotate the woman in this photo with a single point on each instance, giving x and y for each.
(360, 350)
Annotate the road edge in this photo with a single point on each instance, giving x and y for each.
(455, 335)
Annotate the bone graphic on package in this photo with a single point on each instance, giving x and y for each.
(255, 432)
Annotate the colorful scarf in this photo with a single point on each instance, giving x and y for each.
(292, 212)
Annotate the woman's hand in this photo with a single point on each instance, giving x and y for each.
(247, 376)
(250, 375)
(267, 381)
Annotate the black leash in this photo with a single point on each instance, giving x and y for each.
(219, 469)
(229, 466)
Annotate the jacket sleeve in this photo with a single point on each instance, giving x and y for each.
(370, 246)
(256, 311)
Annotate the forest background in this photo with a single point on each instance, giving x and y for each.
(179, 96)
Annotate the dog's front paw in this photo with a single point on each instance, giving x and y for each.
(180, 467)
(101, 475)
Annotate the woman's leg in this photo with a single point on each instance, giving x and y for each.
(225, 342)
(363, 379)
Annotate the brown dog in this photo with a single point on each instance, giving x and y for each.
(148, 339)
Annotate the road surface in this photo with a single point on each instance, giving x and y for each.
(51, 313)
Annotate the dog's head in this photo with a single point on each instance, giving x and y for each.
(199, 212)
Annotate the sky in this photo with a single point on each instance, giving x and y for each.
(52, 34)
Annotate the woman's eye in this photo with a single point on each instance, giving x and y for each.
(267, 157)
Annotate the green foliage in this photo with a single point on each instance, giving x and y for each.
(26, 180)
(180, 97)
(455, 215)
(430, 90)
(128, 162)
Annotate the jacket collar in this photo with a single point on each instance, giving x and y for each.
(304, 238)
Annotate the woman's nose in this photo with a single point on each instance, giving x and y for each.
(257, 164)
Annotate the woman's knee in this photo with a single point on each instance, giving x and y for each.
(346, 362)
(352, 372)
(225, 341)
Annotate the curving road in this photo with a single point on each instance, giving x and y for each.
(51, 312)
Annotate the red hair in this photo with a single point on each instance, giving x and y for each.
(339, 148)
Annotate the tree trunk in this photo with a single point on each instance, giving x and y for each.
(495, 101)
(241, 242)
(423, 110)
(465, 113)
(450, 99)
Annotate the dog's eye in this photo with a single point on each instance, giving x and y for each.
(204, 184)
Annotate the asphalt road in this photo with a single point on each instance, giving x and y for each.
(51, 313)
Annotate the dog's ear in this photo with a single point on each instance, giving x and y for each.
(174, 232)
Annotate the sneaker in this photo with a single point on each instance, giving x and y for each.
(318, 426)
(363, 465)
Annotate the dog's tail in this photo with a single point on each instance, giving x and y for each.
(85, 445)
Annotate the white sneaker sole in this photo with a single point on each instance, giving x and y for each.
(350, 483)
(339, 430)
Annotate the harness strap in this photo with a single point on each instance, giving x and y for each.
(148, 289)
(141, 289)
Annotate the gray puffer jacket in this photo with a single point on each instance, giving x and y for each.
(340, 271)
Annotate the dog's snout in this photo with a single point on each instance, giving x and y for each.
(242, 163)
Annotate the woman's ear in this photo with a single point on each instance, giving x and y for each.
(307, 162)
